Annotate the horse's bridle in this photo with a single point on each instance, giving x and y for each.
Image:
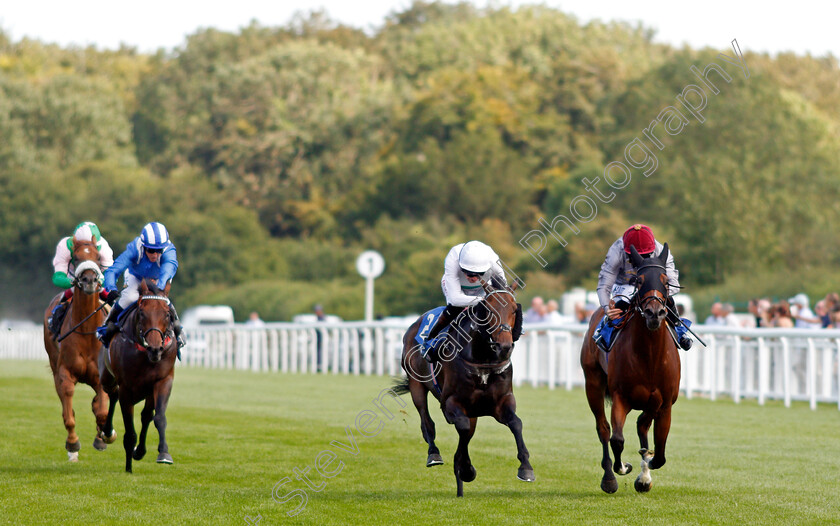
(163, 338)
(642, 301)
(504, 327)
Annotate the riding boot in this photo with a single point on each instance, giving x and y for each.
(603, 334)
(110, 328)
(177, 328)
(681, 325)
(446, 317)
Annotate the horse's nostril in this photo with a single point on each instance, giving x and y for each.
(661, 313)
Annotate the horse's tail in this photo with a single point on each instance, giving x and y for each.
(400, 385)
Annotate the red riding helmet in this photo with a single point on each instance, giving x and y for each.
(641, 237)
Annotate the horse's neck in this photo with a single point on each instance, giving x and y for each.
(83, 305)
(651, 341)
(477, 349)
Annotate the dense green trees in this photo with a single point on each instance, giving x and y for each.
(276, 155)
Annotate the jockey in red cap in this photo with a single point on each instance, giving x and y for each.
(614, 283)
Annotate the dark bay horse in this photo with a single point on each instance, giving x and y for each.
(474, 376)
(140, 365)
(74, 358)
(641, 372)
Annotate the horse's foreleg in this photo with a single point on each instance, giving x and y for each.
(595, 393)
(161, 395)
(145, 418)
(507, 416)
(419, 395)
(661, 427)
(464, 471)
(130, 437)
(100, 406)
(65, 386)
(619, 414)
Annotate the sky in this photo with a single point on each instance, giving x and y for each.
(804, 26)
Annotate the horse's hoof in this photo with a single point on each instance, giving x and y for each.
(609, 485)
(626, 468)
(138, 454)
(642, 487)
(469, 476)
(110, 439)
(434, 460)
(72, 456)
(164, 458)
(526, 475)
(99, 444)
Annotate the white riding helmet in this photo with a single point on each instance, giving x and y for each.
(476, 257)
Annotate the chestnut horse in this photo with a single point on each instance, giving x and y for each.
(73, 354)
(474, 378)
(641, 372)
(140, 365)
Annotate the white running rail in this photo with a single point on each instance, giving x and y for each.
(778, 364)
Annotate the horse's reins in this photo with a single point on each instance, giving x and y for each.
(68, 333)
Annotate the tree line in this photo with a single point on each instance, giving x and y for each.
(276, 154)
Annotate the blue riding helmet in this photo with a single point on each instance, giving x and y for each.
(154, 236)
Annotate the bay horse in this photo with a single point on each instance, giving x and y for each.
(473, 378)
(642, 372)
(139, 365)
(73, 354)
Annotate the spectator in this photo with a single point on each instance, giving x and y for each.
(319, 312)
(254, 320)
(804, 316)
(823, 315)
(538, 313)
(780, 316)
(717, 316)
(729, 318)
(553, 314)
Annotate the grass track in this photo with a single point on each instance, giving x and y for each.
(235, 434)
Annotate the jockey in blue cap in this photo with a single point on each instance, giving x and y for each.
(150, 255)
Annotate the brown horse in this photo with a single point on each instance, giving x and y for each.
(140, 365)
(474, 378)
(641, 372)
(73, 359)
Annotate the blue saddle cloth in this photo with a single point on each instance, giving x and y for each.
(429, 320)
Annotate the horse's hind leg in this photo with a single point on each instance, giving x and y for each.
(145, 418)
(65, 386)
(508, 417)
(595, 393)
(419, 395)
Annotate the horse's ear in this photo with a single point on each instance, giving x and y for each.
(488, 288)
(635, 258)
(166, 289)
(144, 288)
(663, 256)
(515, 285)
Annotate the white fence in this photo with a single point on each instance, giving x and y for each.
(782, 364)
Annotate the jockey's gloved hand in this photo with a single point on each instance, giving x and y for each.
(112, 297)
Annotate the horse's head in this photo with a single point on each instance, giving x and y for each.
(88, 273)
(154, 322)
(652, 286)
(499, 316)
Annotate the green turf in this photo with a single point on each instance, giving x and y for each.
(234, 435)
